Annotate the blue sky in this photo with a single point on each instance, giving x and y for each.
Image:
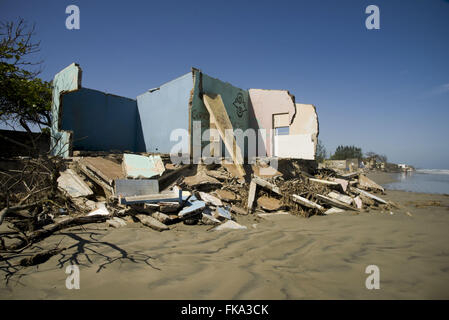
(384, 90)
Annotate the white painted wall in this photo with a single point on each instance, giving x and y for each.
(299, 146)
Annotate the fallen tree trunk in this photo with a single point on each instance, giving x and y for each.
(40, 257)
(48, 230)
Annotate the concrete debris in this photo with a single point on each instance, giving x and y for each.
(341, 197)
(226, 195)
(222, 214)
(334, 202)
(175, 195)
(169, 207)
(238, 210)
(102, 171)
(368, 184)
(102, 211)
(71, 183)
(369, 195)
(209, 220)
(137, 166)
(333, 210)
(269, 204)
(307, 203)
(152, 222)
(128, 188)
(116, 222)
(165, 219)
(192, 208)
(201, 181)
(358, 202)
(229, 225)
(210, 199)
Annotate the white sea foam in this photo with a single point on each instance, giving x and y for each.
(433, 171)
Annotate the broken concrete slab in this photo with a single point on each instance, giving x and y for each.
(165, 219)
(174, 196)
(358, 202)
(151, 222)
(129, 188)
(222, 214)
(263, 183)
(102, 171)
(340, 197)
(73, 185)
(100, 211)
(192, 208)
(229, 225)
(210, 199)
(307, 203)
(209, 220)
(369, 195)
(368, 184)
(217, 175)
(334, 210)
(344, 183)
(201, 181)
(269, 203)
(238, 210)
(334, 202)
(273, 214)
(169, 207)
(226, 195)
(116, 222)
(137, 166)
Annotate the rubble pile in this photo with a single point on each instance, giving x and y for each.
(49, 194)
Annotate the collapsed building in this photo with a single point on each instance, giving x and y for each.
(193, 103)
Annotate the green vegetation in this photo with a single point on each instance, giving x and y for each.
(24, 98)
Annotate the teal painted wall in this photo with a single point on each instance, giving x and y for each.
(68, 79)
(234, 99)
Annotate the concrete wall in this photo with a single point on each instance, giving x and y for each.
(164, 110)
(305, 128)
(100, 121)
(265, 104)
(234, 99)
(68, 79)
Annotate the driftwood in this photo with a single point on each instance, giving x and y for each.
(40, 257)
(7, 210)
(48, 230)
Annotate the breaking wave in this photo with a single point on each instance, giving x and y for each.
(433, 171)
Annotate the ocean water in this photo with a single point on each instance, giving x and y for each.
(422, 180)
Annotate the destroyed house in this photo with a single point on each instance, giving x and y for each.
(190, 104)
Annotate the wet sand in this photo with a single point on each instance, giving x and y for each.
(279, 257)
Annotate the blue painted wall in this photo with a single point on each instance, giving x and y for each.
(101, 122)
(164, 110)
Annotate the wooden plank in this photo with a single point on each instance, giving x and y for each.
(335, 203)
(369, 195)
(330, 183)
(217, 111)
(266, 184)
(251, 194)
(307, 203)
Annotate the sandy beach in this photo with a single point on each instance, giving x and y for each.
(277, 257)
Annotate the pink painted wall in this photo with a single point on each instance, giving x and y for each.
(265, 103)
